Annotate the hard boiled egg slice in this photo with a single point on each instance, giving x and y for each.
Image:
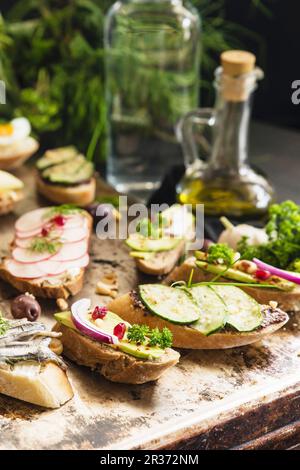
(9, 182)
(14, 131)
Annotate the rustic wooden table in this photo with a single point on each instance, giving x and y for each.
(244, 398)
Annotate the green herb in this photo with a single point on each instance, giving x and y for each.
(191, 278)
(220, 253)
(294, 265)
(163, 338)
(143, 334)
(147, 229)
(283, 229)
(4, 325)
(64, 209)
(45, 245)
(236, 284)
(137, 333)
(52, 61)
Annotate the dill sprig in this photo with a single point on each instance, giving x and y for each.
(45, 245)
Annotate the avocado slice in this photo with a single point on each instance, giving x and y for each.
(141, 254)
(243, 312)
(171, 303)
(144, 244)
(74, 172)
(108, 323)
(56, 156)
(240, 276)
(213, 309)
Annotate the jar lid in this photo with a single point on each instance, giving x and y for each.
(236, 62)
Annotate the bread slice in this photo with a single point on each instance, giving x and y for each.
(14, 156)
(131, 309)
(287, 301)
(55, 287)
(45, 385)
(114, 365)
(161, 263)
(81, 194)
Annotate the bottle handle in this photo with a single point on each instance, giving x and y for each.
(185, 135)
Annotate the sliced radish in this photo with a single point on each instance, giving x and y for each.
(71, 251)
(31, 220)
(26, 271)
(75, 234)
(54, 268)
(23, 255)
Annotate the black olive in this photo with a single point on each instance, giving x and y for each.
(25, 306)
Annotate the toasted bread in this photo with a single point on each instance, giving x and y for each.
(54, 287)
(114, 365)
(81, 194)
(43, 287)
(287, 301)
(161, 263)
(14, 156)
(45, 385)
(132, 310)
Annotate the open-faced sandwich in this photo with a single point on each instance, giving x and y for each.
(16, 145)
(49, 252)
(101, 340)
(202, 316)
(30, 369)
(66, 177)
(11, 192)
(269, 256)
(158, 244)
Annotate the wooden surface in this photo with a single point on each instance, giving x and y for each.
(243, 398)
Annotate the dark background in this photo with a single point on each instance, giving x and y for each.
(276, 42)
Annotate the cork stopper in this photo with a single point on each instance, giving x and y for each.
(238, 75)
(236, 63)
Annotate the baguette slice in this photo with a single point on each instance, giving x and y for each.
(114, 365)
(132, 310)
(287, 301)
(14, 156)
(54, 288)
(81, 194)
(46, 386)
(161, 263)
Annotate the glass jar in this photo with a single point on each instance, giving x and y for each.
(152, 76)
(225, 183)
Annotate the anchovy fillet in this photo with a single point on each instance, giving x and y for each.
(25, 341)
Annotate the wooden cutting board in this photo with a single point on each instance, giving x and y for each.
(247, 397)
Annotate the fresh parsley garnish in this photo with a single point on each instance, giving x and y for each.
(283, 230)
(220, 253)
(142, 334)
(4, 325)
(137, 333)
(163, 339)
(45, 245)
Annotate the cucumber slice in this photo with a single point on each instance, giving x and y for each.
(139, 243)
(212, 307)
(244, 313)
(230, 273)
(171, 303)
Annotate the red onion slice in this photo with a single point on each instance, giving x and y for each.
(287, 275)
(78, 310)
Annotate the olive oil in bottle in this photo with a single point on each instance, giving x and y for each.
(226, 184)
